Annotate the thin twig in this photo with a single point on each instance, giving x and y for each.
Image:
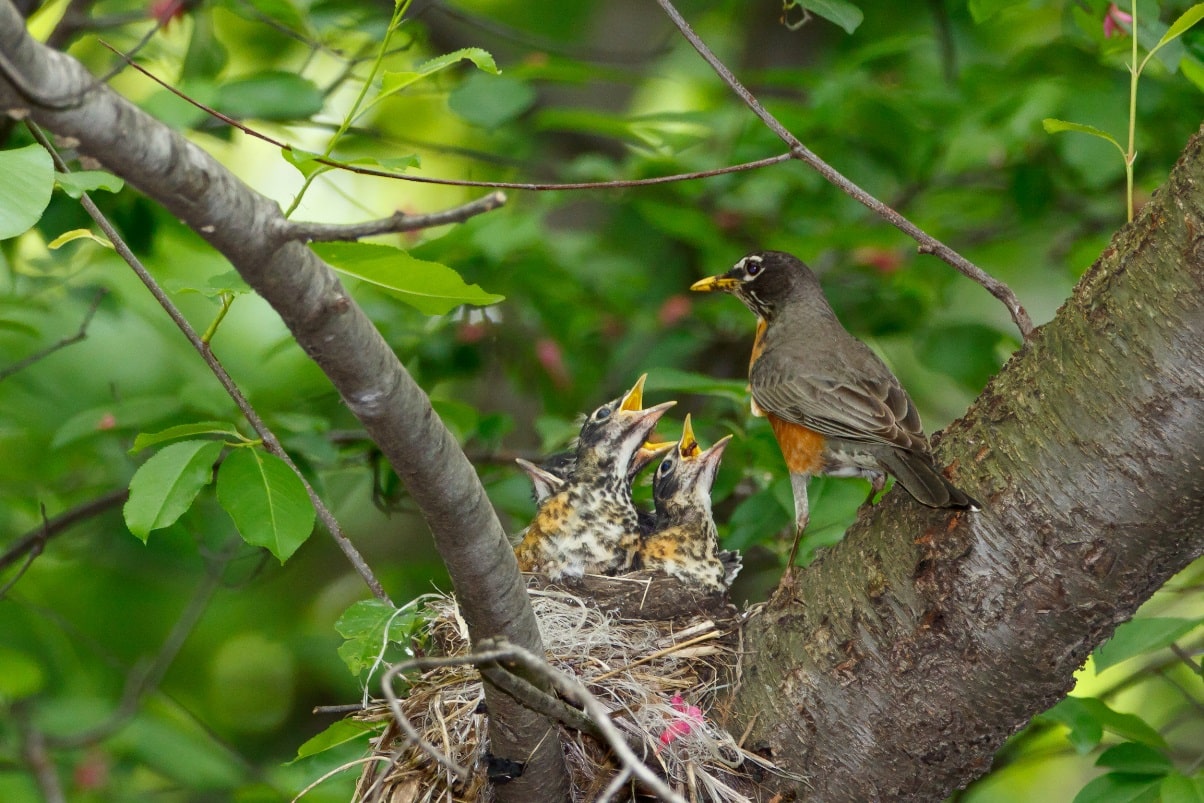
(927, 244)
(35, 539)
(38, 758)
(270, 442)
(450, 182)
(80, 334)
(397, 222)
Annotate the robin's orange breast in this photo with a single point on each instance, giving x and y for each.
(803, 448)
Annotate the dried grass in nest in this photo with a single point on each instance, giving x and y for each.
(634, 667)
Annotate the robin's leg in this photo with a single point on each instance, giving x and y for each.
(877, 483)
(802, 512)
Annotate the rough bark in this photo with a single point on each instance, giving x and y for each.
(896, 665)
(59, 94)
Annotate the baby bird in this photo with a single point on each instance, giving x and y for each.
(587, 523)
(685, 542)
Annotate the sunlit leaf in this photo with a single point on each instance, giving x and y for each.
(1054, 126)
(267, 501)
(392, 82)
(1186, 20)
(341, 732)
(78, 234)
(165, 486)
(219, 428)
(1139, 636)
(429, 287)
(840, 12)
(364, 626)
(25, 191)
(1176, 788)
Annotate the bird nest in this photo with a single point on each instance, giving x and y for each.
(661, 682)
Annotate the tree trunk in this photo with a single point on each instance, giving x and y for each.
(899, 662)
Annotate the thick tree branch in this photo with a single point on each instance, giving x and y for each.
(251, 231)
(901, 660)
(927, 243)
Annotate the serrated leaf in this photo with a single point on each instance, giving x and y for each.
(165, 486)
(839, 12)
(267, 501)
(25, 191)
(1054, 126)
(364, 626)
(1116, 787)
(305, 161)
(341, 732)
(77, 234)
(1089, 717)
(221, 428)
(77, 183)
(1139, 636)
(393, 82)
(1135, 759)
(429, 287)
(1176, 788)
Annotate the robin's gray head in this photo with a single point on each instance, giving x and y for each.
(682, 485)
(764, 281)
(613, 434)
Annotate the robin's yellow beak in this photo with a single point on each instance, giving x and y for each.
(688, 446)
(634, 400)
(714, 283)
(649, 452)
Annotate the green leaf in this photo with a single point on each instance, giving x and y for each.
(1054, 126)
(305, 161)
(429, 287)
(1088, 718)
(1117, 787)
(220, 428)
(393, 82)
(1193, 71)
(341, 732)
(25, 191)
(133, 413)
(672, 380)
(227, 283)
(490, 102)
(267, 501)
(983, 10)
(364, 627)
(270, 95)
(165, 486)
(21, 675)
(77, 183)
(77, 234)
(1135, 759)
(1186, 20)
(840, 12)
(1176, 788)
(1139, 636)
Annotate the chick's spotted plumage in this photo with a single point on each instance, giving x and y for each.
(685, 543)
(587, 524)
(834, 406)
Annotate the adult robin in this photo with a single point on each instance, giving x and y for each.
(685, 542)
(588, 523)
(834, 407)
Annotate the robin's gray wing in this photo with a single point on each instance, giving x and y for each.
(867, 408)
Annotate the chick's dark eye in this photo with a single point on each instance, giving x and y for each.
(602, 413)
(666, 466)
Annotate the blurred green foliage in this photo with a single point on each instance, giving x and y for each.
(936, 109)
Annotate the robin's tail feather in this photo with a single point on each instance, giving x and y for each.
(917, 472)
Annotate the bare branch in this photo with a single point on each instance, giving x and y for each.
(270, 442)
(927, 243)
(35, 540)
(79, 335)
(397, 222)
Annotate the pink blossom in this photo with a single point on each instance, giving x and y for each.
(1116, 22)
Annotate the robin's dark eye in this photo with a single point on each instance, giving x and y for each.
(752, 269)
(602, 413)
(666, 466)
